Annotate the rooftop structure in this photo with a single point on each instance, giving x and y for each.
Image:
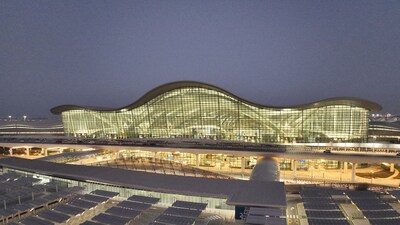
(235, 191)
(32, 126)
(384, 131)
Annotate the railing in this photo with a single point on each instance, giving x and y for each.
(168, 143)
(216, 144)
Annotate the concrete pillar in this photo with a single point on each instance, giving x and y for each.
(153, 160)
(242, 167)
(391, 167)
(345, 167)
(197, 160)
(353, 172)
(46, 153)
(294, 167)
(28, 151)
(11, 151)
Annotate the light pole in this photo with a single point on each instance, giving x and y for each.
(24, 117)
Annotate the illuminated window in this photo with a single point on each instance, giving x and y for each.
(208, 113)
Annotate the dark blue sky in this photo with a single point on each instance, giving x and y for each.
(110, 53)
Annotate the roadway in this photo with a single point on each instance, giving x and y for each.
(294, 152)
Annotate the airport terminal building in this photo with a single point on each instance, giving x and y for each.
(189, 109)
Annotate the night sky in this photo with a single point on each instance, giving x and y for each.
(110, 53)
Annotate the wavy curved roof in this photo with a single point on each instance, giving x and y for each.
(358, 102)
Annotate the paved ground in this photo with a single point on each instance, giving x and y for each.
(292, 214)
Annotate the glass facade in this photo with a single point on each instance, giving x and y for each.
(207, 113)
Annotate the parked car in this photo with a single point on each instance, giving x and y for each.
(327, 151)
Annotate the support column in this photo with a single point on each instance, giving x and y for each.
(242, 167)
(353, 172)
(391, 167)
(294, 167)
(197, 160)
(11, 151)
(27, 150)
(46, 153)
(153, 160)
(345, 167)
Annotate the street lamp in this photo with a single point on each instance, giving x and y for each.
(9, 117)
(24, 117)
